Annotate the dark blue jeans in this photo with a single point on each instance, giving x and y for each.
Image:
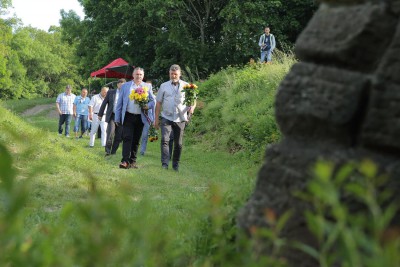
(82, 121)
(64, 118)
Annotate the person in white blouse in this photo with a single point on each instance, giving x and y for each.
(94, 107)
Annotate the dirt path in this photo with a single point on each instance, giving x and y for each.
(51, 108)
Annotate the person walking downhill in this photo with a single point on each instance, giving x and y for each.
(267, 45)
(81, 112)
(114, 132)
(170, 99)
(133, 114)
(94, 107)
(65, 108)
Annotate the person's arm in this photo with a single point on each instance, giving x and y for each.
(74, 108)
(273, 43)
(90, 106)
(157, 115)
(58, 108)
(152, 101)
(90, 113)
(118, 107)
(261, 42)
(103, 105)
(193, 107)
(58, 104)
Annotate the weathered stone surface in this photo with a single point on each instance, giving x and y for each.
(389, 69)
(353, 37)
(381, 129)
(315, 101)
(341, 103)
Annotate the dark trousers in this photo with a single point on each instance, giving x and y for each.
(178, 129)
(114, 136)
(133, 127)
(64, 118)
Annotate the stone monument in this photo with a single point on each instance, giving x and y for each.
(341, 102)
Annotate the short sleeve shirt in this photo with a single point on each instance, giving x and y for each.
(66, 103)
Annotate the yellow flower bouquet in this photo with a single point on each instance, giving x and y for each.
(141, 96)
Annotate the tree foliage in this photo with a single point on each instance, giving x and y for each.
(203, 36)
(34, 63)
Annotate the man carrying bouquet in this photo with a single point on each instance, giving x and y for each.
(171, 100)
(134, 108)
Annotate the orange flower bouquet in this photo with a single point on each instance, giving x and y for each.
(191, 91)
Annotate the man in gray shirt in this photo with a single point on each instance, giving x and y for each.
(170, 99)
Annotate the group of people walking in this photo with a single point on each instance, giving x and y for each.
(122, 118)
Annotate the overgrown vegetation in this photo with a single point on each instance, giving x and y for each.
(236, 108)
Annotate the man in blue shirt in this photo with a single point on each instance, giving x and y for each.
(81, 112)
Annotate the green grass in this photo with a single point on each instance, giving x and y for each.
(66, 181)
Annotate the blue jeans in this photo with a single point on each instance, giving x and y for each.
(64, 118)
(81, 120)
(266, 54)
(145, 137)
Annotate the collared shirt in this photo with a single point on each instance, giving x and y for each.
(82, 105)
(116, 99)
(66, 103)
(133, 107)
(171, 98)
(96, 102)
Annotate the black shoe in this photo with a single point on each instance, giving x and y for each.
(124, 165)
(165, 166)
(107, 154)
(175, 166)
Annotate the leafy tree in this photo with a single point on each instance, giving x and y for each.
(5, 52)
(201, 36)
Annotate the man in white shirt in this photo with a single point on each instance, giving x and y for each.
(94, 108)
(170, 99)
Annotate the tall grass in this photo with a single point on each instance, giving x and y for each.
(236, 108)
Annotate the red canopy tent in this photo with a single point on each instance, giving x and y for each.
(118, 68)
